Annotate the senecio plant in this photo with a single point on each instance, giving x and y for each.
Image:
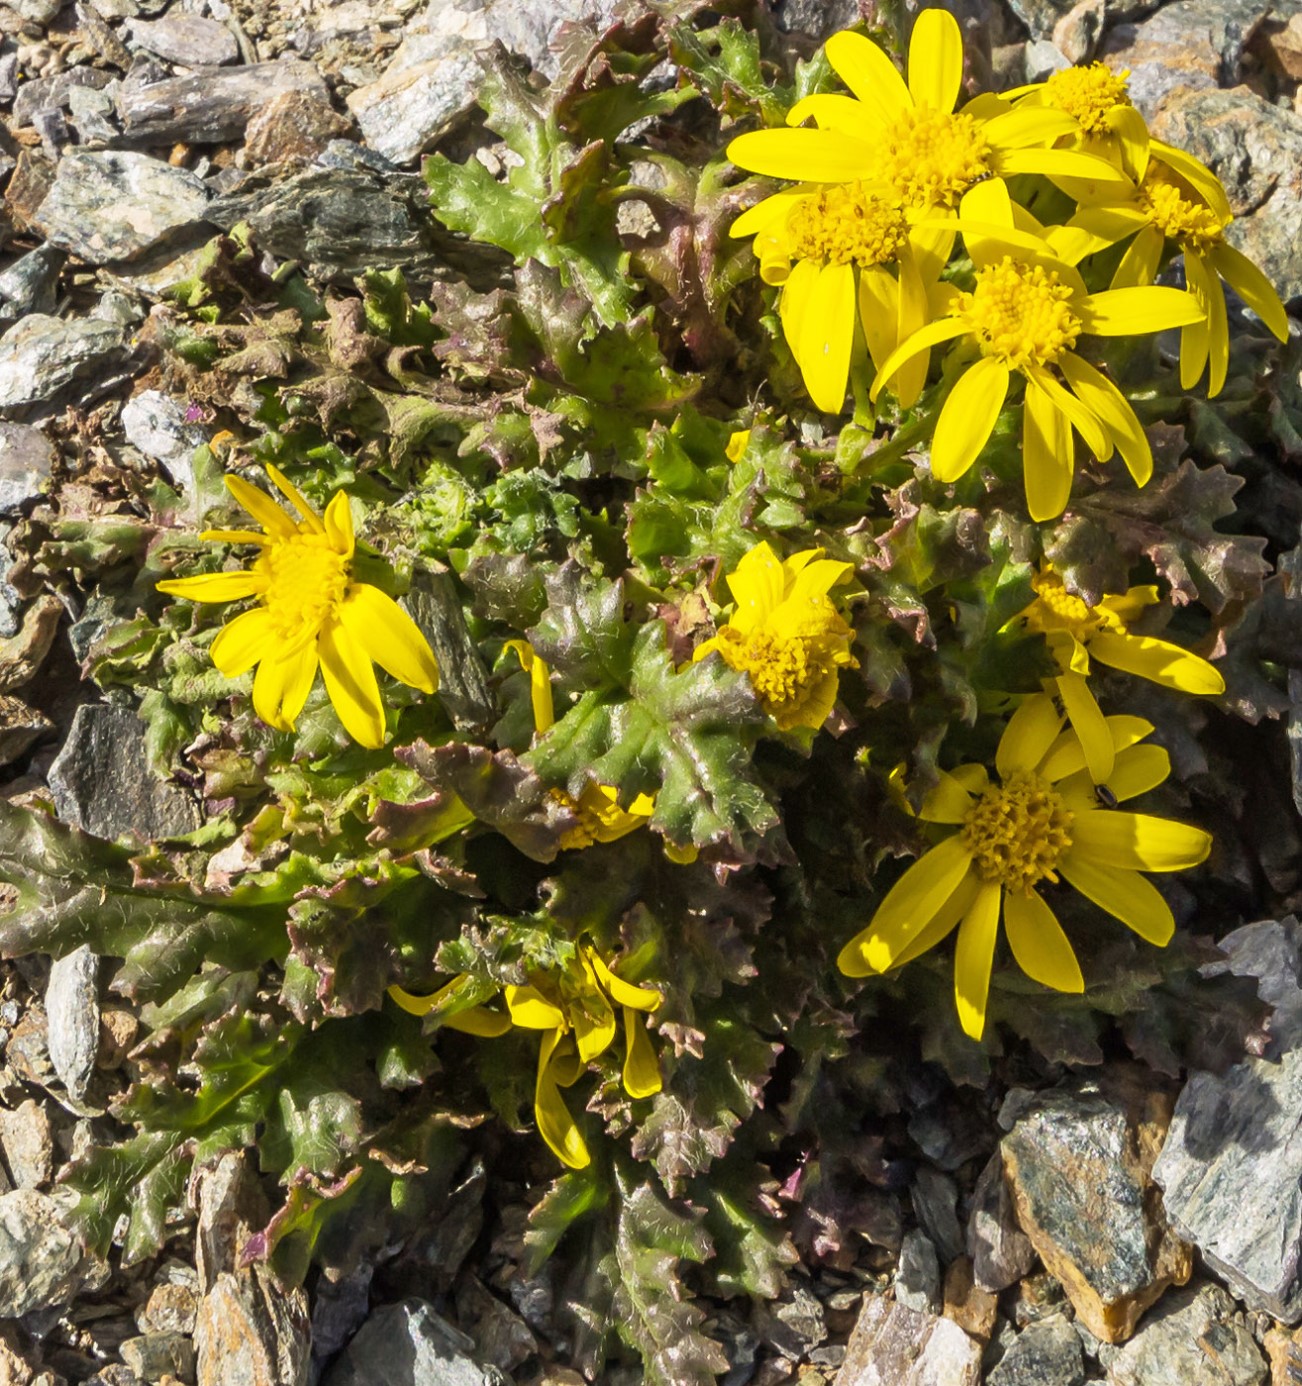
(779, 552)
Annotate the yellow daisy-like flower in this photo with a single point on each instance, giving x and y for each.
(786, 634)
(1179, 199)
(576, 1013)
(310, 612)
(1024, 314)
(1075, 631)
(1098, 99)
(1039, 821)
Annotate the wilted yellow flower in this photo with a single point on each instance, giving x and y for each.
(575, 1010)
(310, 611)
(1075, 631)
(1178, 198)
(786, 634)
(1038, 821)
(1024, 314)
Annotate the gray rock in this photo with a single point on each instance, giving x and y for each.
(115, 9)
(895, 1346)
(1045, 1353)
(28, 1144)
(1255, 149)
(295, 126)
(156, 1355)
(433, 77)
(818, 18)
(189, 39)
(72, 1012)
(1193, 1338)
(42, 1263)
(792, 1324)
(210, 106)
(917, 1277)
(408, 1344)
(26, 460)
(1043, 59)
(252, 1331)
(155, 423)
(1269, 951)
(51, 93)
(40, 355)
(108, 205)
(102, 782)
(1231, 1174)
(38, 12)
(94, 114)
(935, 1199)
(29, 285)
(340, 222)
(1079, 1166)
(1001, 1252)
(21, 727)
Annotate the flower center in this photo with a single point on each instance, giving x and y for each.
(1088, 93)
(1020, 313)
(844, 224)
(307, 580)
(784, 670)
(931, 158)
(1018, 832)
(1193, 224)
(584, 832)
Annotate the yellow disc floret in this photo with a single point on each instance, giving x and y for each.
(930, 158)
(1020, 314)
(847, 224)
(307, 578)
(1059, 609)
(788, 672)
(1089, 93)
(1018, 832)
(1180, 217)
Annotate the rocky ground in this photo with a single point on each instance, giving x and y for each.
(1103, 1230)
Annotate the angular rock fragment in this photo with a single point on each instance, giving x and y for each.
(109, 205)
(211, 106)
(1079, 1166)
(184, 38)
(21, 727)
(917, 1277)
(72, 1015)
(1001, 1254)
(28, 1144)
(297, 125)
(40, 355)
(895, 1346)
(1194, 1338)
(1045, 1353)
(404, 1343)
(26, 460)
(42, 1263)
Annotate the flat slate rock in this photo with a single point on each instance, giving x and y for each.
(40, 355)
(72, 1015)
(111, 205)
(895, 1346)
(1079, 1166)
(1193, 1338)
(189, 39)
(210, 106)
(408, 1344)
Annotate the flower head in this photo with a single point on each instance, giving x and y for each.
(1075, 631)
(1098, 99)
(1177, 200)
(575, 1009)
(310, 611)
(1038, 822)
(786, 635)
(1024, 313)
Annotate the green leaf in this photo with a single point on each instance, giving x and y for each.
(570, 1198)
(754, 1250)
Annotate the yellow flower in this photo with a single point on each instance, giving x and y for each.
(1024, 313)
(1038, 821)
(1075, 631)
(576, 1012)
(1179, 199)
(310, 611)
(600, 818)
(893, 147)
(1098, 99)
(786, 634)
(738, 442)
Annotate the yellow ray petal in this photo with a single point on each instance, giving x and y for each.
(641, 1067)
(478, 1020)
(826, 336)
(1137, 841)
(1132, 133)
(1057, 163)
(531, 1010)
(974, 957)
(594, 1026)
(235, 536)
(1027, 737)
(350, 682)
(1102, 398)
(911, 315)
(555, 1124)
(1196, 174)
(384, 632)
(215, 587)
(1125, 895)
(757, 585)
(1039, 944)
(1137, 770)
(949, 802)
(1089, 724)
(1207, 289)
(1123, 312)
(968, 418)
(1159, 661)
(1096, 437)
(770, 211)
(281, 686)
(1138, 266)
(804, 156)
(935, 60)
(540, 683)
(870, 74)
(1028, 125)
(241, 643)
(263, 509)
(1066, 756)
(908, 907)
(793, 306)
(624, 993)
(1251, 286)
(923, 340)
(879, 311)
(943, 923)
(296, 498)
(339, 525)
(835, 112)
(1048, 455)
